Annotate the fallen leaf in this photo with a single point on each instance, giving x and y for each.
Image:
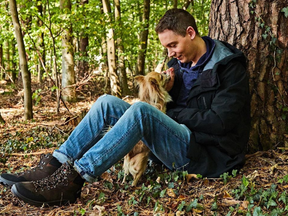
(171, 193)
(191, 176)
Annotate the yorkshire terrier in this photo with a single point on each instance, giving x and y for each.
(152, 91)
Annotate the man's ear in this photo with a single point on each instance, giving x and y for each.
(191, 32)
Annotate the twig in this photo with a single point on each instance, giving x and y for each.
(32, 153)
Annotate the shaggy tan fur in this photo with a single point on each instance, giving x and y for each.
(152, 91)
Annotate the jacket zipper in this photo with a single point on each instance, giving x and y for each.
(204, 102)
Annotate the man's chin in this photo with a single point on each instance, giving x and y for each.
(183, 60)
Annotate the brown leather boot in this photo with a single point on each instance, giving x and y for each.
(60, 188)
(47, 166)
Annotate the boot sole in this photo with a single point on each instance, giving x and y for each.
(6, 182)
(37, 203)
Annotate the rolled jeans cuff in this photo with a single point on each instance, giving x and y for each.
(83, 174)
(62, 158)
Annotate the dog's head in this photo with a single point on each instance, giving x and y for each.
(152, 89)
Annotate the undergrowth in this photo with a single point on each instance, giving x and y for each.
(161, 191)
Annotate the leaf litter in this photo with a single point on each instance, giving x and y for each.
(259, 188)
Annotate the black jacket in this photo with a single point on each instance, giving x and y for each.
(217, 112)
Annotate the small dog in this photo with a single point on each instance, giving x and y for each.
(152, 91)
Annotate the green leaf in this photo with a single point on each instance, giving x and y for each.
(271, 202)
(214, 206)
(162, 193)
(245, 181)
(264, 36)
(181, 205)
(257, 211)
(191, 205)
(285, 11)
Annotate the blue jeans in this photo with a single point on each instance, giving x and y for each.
(92, 150)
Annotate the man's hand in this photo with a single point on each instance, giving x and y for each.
(171, 73)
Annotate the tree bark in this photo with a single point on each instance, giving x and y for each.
(28, 113)
(187, 3)
(7, 58)
(120, 49)
(143, 39)
(14, 70)
(2, 121)
(68, 73)
(1, 61)
(84, 42)
(41, 44)
(260, 31)
(114, 79)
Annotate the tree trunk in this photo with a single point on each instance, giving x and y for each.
(14, 69)
(1, 61)
(7, 58)
(84, 42)
(28, 114)
(120, 48)
(175, 3)
(114, 80)
(143, 39)
(41, 44)
(260, 31)
(68, 73)
(187, 3)
(2, 121)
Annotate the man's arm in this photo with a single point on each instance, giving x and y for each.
(226, 107)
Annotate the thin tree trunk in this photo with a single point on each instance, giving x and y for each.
(2, 121)
(143, 39)
(83, 66)
(7, 58)
(261, 33)
(120, 48)
(175, 3)
(28, 113)
(41, 44)
(14, 69)
(114, 80)
(1, 62)
(68, 73)
(103, 52)
(187, 3)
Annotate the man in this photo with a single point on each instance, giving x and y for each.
(205, 131)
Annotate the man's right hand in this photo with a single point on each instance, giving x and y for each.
(171, 73)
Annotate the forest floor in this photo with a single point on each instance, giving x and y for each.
(259, 188)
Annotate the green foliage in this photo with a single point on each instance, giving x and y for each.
(285, 11)
(36, 138)
(36, 96)
(261, 199)
(226, 176)
(87, 20)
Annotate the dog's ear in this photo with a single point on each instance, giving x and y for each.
(153, 81)
(139, 79)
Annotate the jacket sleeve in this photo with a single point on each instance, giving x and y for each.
(226, 106)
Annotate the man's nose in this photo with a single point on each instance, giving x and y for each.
(170, 53)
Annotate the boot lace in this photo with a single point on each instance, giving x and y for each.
(60, 176)
(40, 165)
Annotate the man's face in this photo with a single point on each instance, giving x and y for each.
(178, 46)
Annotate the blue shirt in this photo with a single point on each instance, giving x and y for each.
(191, 73)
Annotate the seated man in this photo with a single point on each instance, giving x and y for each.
(205, 131)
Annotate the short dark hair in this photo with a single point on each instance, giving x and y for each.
(176, 20)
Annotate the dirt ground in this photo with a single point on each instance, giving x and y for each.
(259, 188)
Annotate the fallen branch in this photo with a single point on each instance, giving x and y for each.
(32, 153)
